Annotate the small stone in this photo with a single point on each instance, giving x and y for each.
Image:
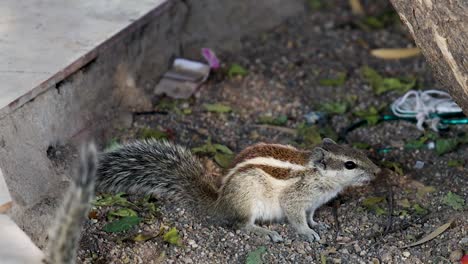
(375, 261)
(463, 241)
(456, 255)
(344, 251)
(362, 253)
(336, 261)
(343, 239)
(192, 243)
(386, 257)
(187, 260)
(406, 254)
(357, 248)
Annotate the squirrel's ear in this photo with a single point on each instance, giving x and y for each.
(328, 141)
(317, 157)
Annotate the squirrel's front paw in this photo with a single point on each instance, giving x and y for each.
(322, 226)
(319, 225)
(275, 237)
(311, 236)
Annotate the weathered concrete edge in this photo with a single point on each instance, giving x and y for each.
(81, 62)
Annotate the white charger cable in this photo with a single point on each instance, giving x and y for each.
(425, 106)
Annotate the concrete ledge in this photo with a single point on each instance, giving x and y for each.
(15, 246)
(96, 91)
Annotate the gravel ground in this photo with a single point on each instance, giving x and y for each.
(285, 66)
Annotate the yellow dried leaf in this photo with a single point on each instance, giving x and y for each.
(395, 54)
(432, 235)
(356, 7)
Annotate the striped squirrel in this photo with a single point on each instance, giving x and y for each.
(65, 233)
(266, 182)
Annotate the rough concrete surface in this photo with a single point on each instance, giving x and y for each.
(40, 39)
(94, 96)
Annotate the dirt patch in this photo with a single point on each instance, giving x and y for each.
(285, 68)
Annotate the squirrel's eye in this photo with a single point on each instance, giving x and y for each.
(350, 165)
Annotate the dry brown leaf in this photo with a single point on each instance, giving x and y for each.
(356, 7)
(432, 235)
(5, 207)
(394, 54)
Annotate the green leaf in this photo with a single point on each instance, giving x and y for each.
(217, 108)
(443, 145)
(236, 70)
(323, 259)
(404, 203)
(456, 163)
(394, 84)
(338, 81)
(378, 22)
(423, 191)
(222, 149)
(123, 212)
(143, 237)
(255, 257)
(373, 22)
(112, 145)
(373, 200)
(308, 135)
(382, 85)
(402, 213)
(208, 148)
(123, 224)
(419, 210)
(328, 131)
(371, 203)
(187, 111)
(145, 203)
(454, 200)
(361, 145)
(275, 121)
(415, 144)
(334, 108)
(395, 166)
(172, 237)
(371, 115)
(223, 160)
(147, 133)
(109, 200)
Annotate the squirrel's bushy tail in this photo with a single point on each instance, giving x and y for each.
(65, 233)
(158, 168)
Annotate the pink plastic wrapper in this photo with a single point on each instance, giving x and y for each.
(211, 58)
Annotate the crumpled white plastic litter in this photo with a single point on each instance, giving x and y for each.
(422, 105)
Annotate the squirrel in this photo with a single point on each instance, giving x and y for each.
(266, 182)
(64, 235)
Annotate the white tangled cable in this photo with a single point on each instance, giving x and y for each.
(425, 106)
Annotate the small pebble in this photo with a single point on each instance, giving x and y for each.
(456, 255)
(406, 254)
(463, 241)
(357, 248)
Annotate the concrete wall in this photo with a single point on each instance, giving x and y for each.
(37, 139)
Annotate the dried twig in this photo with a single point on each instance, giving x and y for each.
(390, 202)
